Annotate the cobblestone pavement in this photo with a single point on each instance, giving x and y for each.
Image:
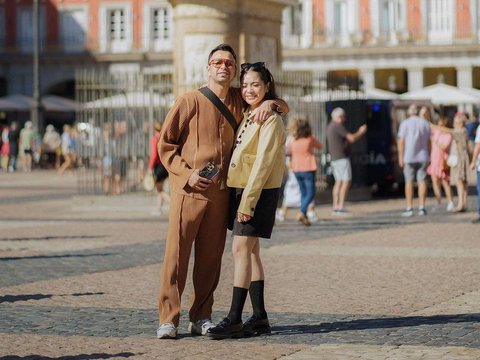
(79, 280)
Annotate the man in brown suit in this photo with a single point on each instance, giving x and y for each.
(194, 133)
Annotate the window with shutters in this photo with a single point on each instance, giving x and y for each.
(116, 29)
(158, 27)
(441, 15)
(389, 20)
(342, 22)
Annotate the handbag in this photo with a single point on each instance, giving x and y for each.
(148, 182)
(452, 160)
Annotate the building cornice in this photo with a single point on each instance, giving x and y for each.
(87, 57)
(330, 52)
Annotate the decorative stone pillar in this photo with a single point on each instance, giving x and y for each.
(368, 77)
(251, 27)
(415, 78)
(464, 76)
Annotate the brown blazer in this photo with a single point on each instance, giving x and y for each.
(195, 132)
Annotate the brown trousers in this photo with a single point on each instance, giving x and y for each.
(204, 222)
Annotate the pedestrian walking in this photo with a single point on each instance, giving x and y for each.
(339, 141)
(68, 149)
(255, 176)
(459, 169)
(51, 144)
(13, 140)
(438, 168)
(475, 164)
(26, 144)
(196, 133)
(4, 149)
(304, 165)
(413, 157)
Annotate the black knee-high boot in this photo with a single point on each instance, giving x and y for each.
(256, 291)
(238, 302)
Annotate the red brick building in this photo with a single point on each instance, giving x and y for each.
(123, 34)
(396, 45)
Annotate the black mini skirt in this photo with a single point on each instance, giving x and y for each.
(261, 224)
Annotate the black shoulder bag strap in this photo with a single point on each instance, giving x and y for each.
(210, 95)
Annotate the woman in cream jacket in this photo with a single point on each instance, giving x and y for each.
(255, 175)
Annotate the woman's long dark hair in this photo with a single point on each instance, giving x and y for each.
(265, 75)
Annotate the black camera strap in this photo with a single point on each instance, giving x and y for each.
(210, 95)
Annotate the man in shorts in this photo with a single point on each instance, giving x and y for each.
(339, 140)
(413, 156)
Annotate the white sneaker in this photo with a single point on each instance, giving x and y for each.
(200, 327)
(407, 213)
(280, 215)
(450, 206)
(422, 212)
(167, 331)
(312, 216)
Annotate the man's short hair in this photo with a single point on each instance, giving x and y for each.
(412, 110)
(337, 112)
(222, 47)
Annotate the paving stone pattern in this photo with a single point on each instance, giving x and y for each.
(56, 321)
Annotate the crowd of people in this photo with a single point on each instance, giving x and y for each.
(25, 149)
(429, 146)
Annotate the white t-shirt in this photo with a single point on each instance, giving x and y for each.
(477, 140)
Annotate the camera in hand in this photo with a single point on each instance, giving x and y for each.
(209, 171)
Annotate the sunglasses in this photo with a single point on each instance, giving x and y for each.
(217, 63)
(257, 65)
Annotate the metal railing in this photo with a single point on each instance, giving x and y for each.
(115, 121)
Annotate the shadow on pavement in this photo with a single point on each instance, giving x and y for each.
(26, 297)
(370, 324)
(70, 357)
(55, 237)
(52, 256)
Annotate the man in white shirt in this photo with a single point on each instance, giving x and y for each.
(476, 164)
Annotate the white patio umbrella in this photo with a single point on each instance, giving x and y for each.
(442, 94)
(379, 94)
(131, 99)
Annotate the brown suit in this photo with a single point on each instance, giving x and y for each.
(194, 133)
